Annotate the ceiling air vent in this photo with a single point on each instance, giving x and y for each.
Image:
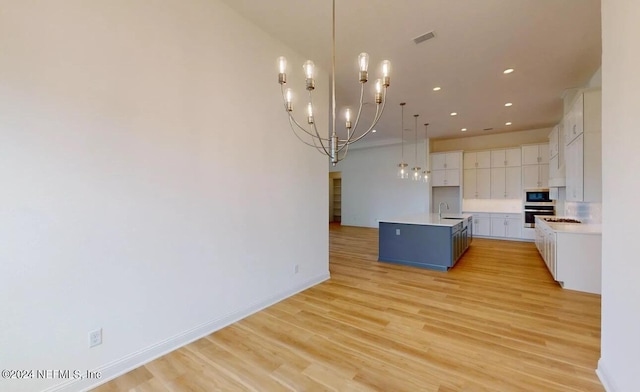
(488, 129)
(424, 37)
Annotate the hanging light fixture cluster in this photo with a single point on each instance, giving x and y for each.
(333, 146)
(415, 174)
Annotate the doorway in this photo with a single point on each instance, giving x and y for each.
(335, 197)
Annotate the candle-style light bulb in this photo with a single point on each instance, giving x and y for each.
(282, 67)
(310, 113)
(363, 64)
(282, 64)
(378, 92)
(347, 116)
(309, 71)
(288, 96)
(363, 61)
(386, 70)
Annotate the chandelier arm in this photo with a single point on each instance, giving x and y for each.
(355, 124)
(291, 123)
(376, 118)
(379, 110)
(317, 136)
(291, 118)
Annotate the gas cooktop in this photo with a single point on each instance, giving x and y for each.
(561, 220)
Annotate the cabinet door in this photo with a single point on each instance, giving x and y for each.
(543, 176)
(575, 169)
(482, 226)
(498, 183)
(498, 158)
(498, 227)
(438, 161)
(553, 142)
(513, 227)
(438, 177)
(530, 155)
(543, 154)
(452, 160)
(579, 168)
(470, 160)
(469, 182)
(452, 177)
(554, 168)
(483, 158)
(530, 174)
(513, 183)
(483, 183)
(513, 157)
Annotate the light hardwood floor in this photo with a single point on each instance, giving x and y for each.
(495, 322)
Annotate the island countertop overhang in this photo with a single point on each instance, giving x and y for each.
(428, 219)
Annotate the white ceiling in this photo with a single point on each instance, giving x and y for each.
(553, 45)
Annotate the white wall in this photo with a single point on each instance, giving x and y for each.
(620, 353)
(371, 190)
(150, 185)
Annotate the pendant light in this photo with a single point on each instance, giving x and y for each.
(416, 174)
(403, 171)
(426, 171)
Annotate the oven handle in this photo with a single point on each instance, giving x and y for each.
(547, 211)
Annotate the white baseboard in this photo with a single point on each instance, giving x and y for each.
(139, 358)
(605, 378)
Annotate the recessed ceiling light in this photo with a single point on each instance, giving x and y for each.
(437, 89)
(454, 113)
(507, 71)
(508, 104)
(507, 123)
(374, 131)
(464, 129)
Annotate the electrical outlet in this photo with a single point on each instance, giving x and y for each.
(95, 338)
(296, 269)
(397, 231)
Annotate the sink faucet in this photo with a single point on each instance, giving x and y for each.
(440, 208)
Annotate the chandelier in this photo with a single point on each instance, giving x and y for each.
(334, 147)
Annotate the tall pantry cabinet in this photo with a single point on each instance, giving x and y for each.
(583, 151)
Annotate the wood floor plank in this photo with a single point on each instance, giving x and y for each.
(496, 322)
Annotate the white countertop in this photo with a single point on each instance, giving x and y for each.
(428, 219)
(493, 212)
(582, 228)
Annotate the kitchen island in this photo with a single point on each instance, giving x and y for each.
(424, 240)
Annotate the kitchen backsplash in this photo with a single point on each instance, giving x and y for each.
(586, 212)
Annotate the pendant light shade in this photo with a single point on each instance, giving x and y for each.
(416, 173)
(426, 172)
(403, 167)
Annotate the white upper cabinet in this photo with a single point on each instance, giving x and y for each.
(574, 120)
(583, 153)
(557, 156)
(445, 160)
(477, 160)
(445, 168)
(535, 154)
(510, 157)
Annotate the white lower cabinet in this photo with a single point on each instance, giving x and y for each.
(506, 225)
(481, 225)
(572, 257)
